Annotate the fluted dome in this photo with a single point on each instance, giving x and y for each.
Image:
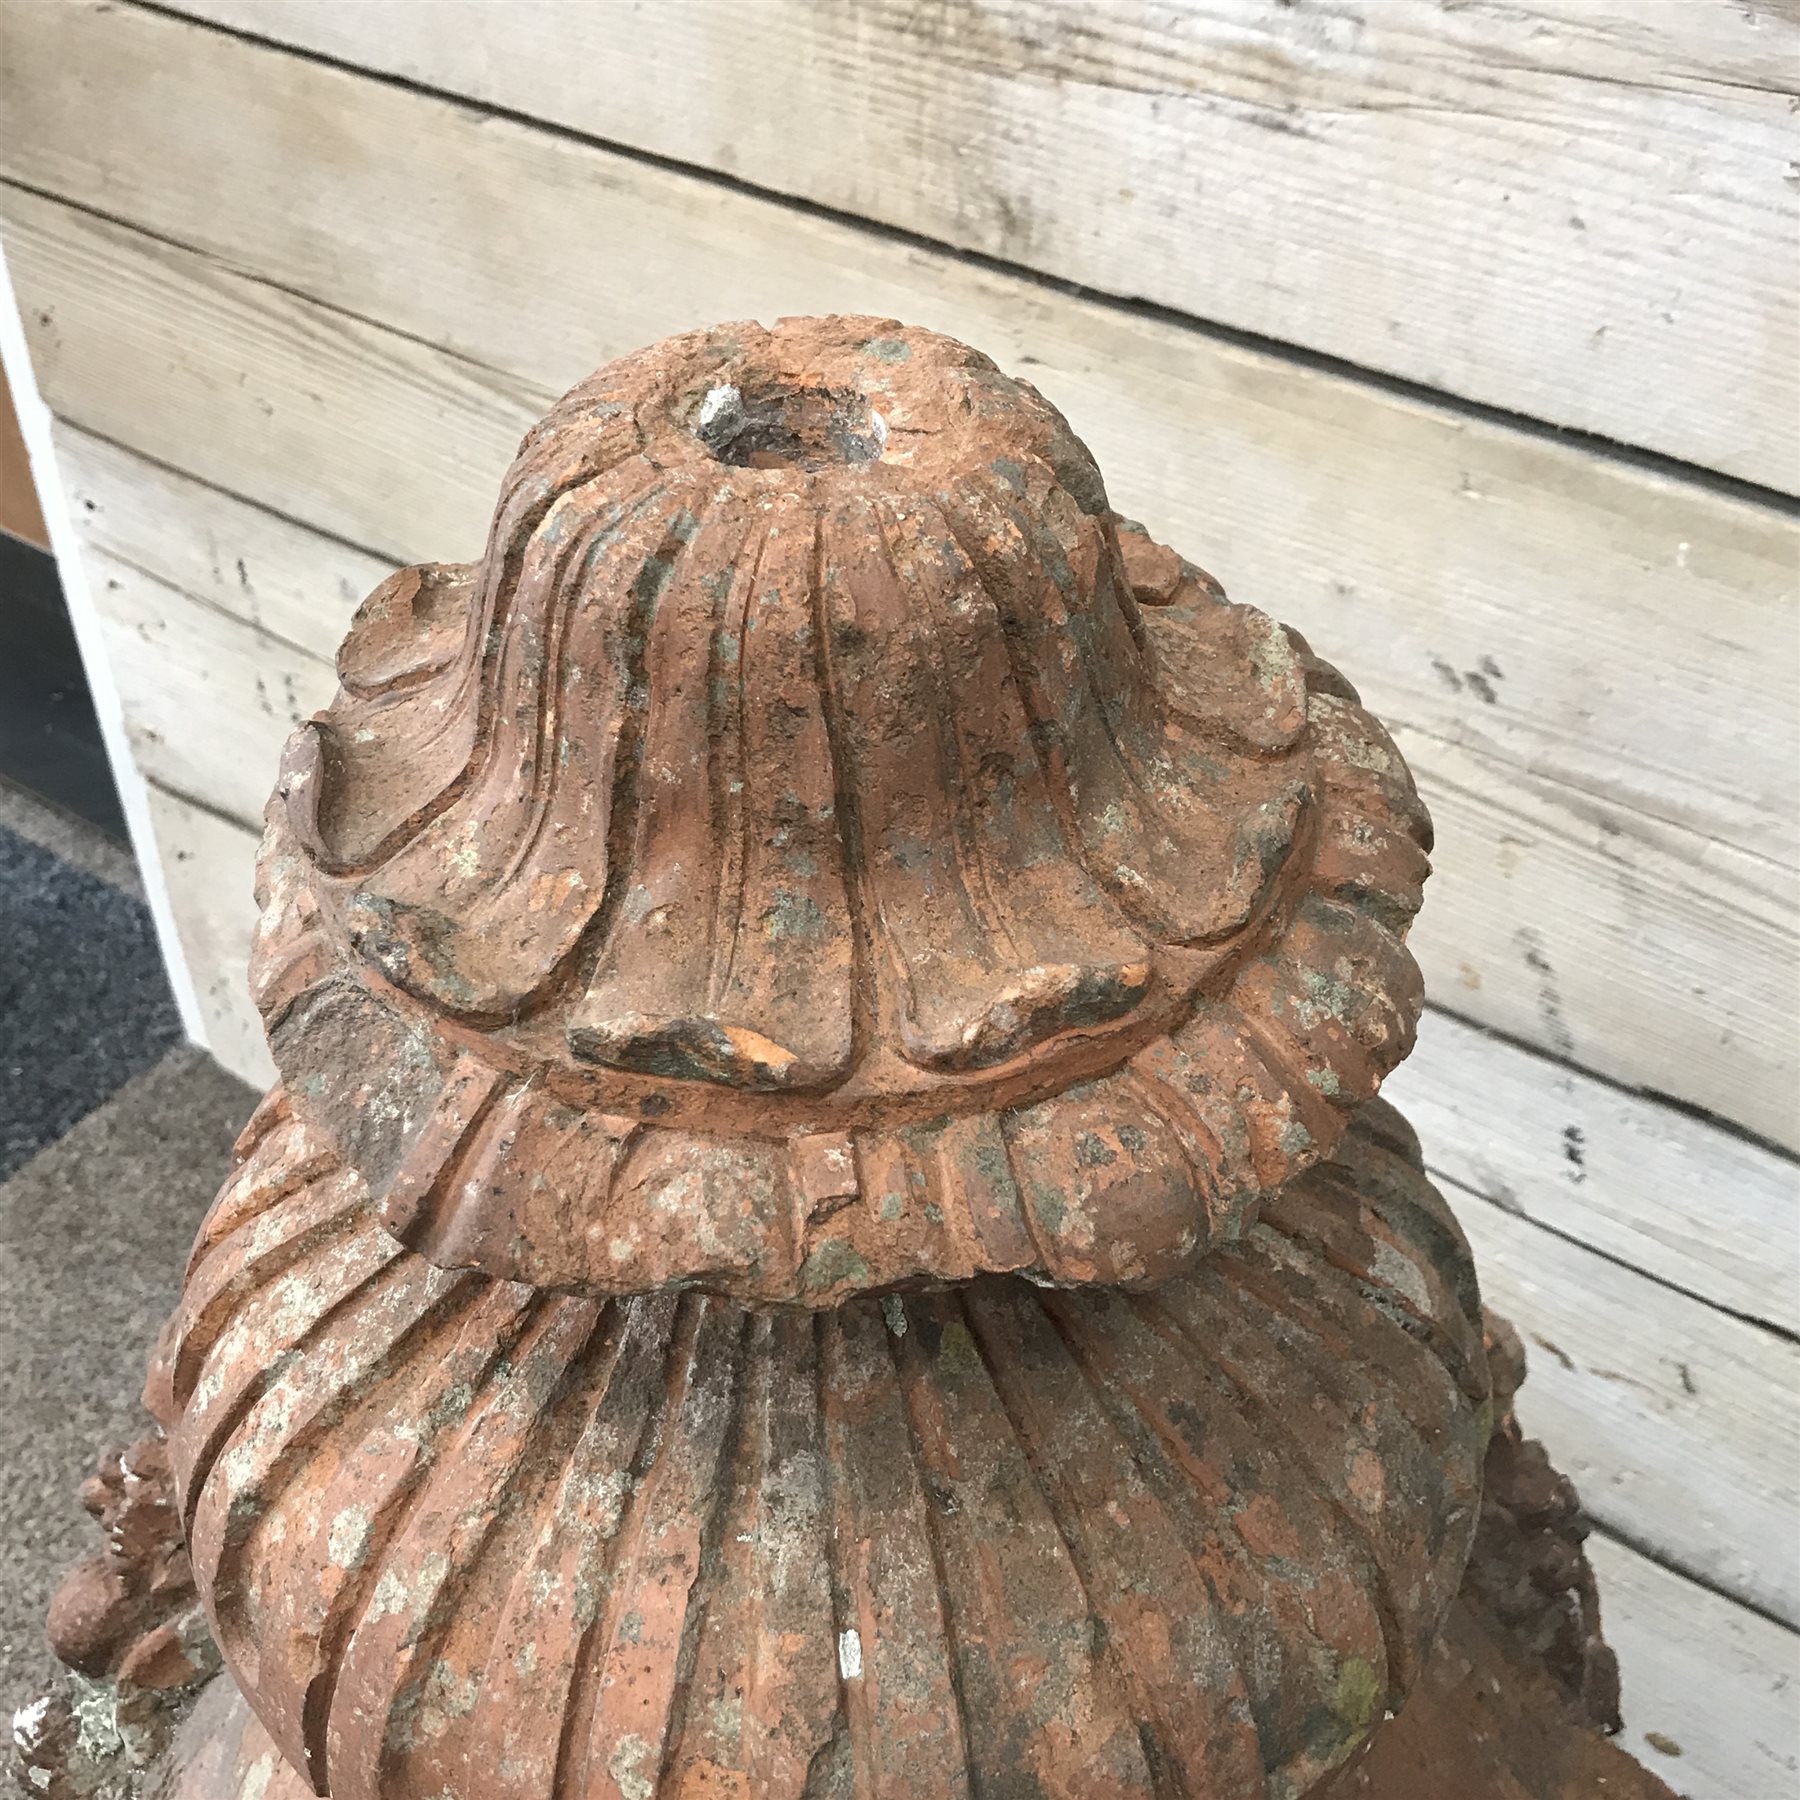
(463, 1537)
(820, 848)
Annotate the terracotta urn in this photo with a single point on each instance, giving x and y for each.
(825, 1229)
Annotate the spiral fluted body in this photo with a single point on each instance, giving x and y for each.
(460, 1536)
(821, 848)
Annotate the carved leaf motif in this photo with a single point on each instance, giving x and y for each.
(813, 751)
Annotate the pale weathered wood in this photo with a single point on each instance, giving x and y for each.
(35, 426)
(210, 865)
(1531, 205)
(286, 579)
(257, 391)
(1658, 957)
(1688, 1202)
(209, 701)
(1653, 952)
(1548, 608)
(1710, 1688)
(1675, 1421)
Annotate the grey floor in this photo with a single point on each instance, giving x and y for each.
(95, 1226)
(84, 999)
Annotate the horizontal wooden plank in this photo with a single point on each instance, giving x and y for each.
(1577, 618)
(210, 865)
(255, 390)
(1698, 1207)
(1529, 205)
(36, 425)
(1659, 958)
(286, 579)
(1709, 1686)
(1675, 1421)
(1638, 947)
(209, 701)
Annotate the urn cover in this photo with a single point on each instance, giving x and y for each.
(824, 1231)
(820, 848)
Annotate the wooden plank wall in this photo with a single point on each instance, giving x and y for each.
(1463, 337)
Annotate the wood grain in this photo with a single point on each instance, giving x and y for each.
(209, 864)
(1709, 1686)
(1556, 909)
(36, 425)
(290, 582)
(1530, 205)
(1675, 1421)
(1698, 1208)
(209, 700)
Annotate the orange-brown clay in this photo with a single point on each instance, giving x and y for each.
(824, 1234)
(821, 848)
(462, 1536)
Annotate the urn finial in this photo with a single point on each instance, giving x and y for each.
(821, 847)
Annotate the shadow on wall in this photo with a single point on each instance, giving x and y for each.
(49, 736)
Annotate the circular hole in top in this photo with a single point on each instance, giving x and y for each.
(777, 425)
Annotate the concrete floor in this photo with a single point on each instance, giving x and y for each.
(84, 996)
(94, 1230)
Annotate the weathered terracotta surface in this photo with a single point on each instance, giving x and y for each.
(1488, 1724)
(821, 847)
(1528, 1572)
(118, 1612)
(1483, 1725)
(460, 1536)
(824, 1235)
(128, 1626)
(1489, 1719)
(1511, 1705)
(1521, 1692)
